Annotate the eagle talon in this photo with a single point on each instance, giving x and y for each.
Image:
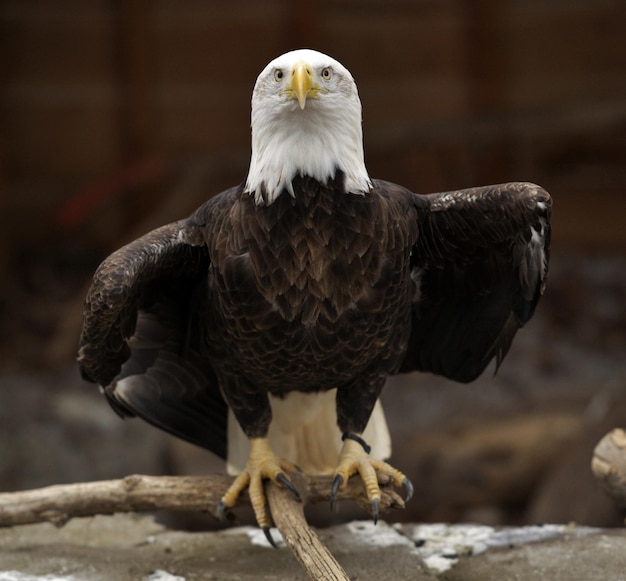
(354, 459)
(268, 536)
(375, 505)
(280, 477)
(221, 511)
(337, 482)
(262, 465)
(408, 486)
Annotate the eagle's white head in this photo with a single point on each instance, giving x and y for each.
(306, 120)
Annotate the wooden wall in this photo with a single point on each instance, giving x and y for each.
(115, 106)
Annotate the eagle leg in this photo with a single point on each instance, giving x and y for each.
(354, 457)
(262, 464)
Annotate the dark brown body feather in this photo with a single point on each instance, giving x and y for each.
(320, 290)
(309, 293)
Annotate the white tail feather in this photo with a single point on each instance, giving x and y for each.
(304, 431)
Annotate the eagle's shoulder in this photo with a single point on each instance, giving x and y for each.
(215, 208)
(395, 194)
(400, 200)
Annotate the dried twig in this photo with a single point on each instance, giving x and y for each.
(609, 464)
(139, 493)
(60, 503)
(314, 556)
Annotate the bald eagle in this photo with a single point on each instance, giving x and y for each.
(262, 327)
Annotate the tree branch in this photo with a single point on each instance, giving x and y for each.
(139, 493)
(313, 555)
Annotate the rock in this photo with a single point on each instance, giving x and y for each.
(131, 547)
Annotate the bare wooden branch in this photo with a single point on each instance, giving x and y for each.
(139, 493)
(609, 464)
(288, 514)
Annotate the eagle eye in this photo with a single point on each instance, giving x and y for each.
(327, 73)
(278, 75)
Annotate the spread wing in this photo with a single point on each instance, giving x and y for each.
(480, 264)
(142, 336)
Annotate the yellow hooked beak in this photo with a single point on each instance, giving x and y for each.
(302, 84)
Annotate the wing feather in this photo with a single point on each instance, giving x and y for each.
(480, 264)
(142, 336)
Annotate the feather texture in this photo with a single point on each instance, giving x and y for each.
(292, 297)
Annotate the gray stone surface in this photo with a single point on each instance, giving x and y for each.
(130, 547)
(600, 556)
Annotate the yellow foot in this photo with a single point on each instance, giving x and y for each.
(354, 457)
(262, 463)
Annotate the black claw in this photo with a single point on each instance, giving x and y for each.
(288, 485)
(375, 503)
(408, 486)
(333, 491)
(268, 536)
(221, 511)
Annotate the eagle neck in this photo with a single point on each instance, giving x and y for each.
(316, 143)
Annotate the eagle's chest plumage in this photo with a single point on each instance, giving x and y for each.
(310, 291)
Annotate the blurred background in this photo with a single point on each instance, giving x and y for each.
(117, 116)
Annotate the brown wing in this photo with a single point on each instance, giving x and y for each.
(480, 264)
(142, 335)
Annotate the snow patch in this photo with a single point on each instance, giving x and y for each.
(441, 545)
(376, 535)
(257, 537)
(160, 575)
